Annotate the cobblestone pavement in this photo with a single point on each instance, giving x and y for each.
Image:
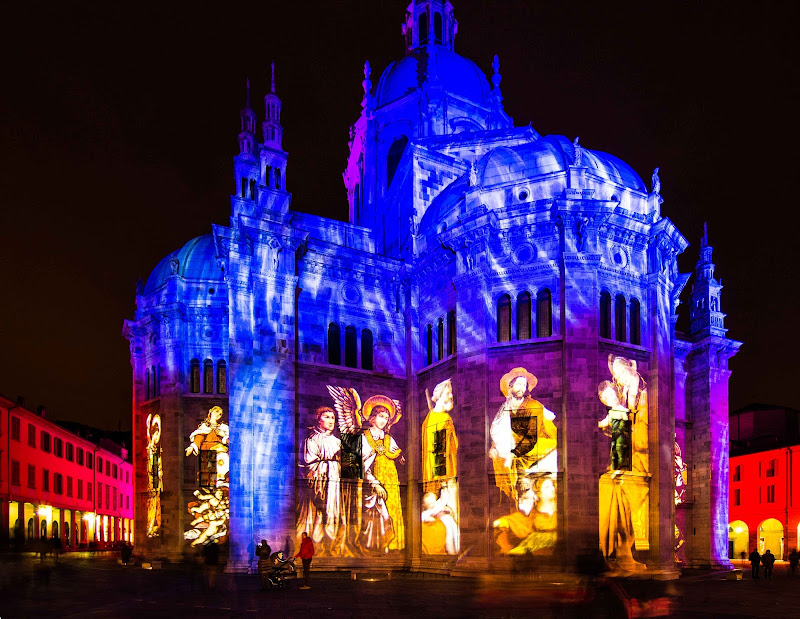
(79, 585)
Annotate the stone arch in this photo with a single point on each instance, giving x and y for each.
(738, 539)
(770, 536)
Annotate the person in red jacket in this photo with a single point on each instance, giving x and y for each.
(306, 553)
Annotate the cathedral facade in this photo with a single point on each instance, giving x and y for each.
(482, 364)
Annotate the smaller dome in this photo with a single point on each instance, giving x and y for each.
(458, 75)
(196, 261)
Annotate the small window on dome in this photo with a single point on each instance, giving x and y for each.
(523, 195)
(423, 29)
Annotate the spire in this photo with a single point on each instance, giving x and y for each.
(429, 23)
(272, 129)
(706, 316)
(247, 126)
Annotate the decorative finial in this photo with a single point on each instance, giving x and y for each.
(366, 84)
(656, 183)
(496, 77)
(273, 77)
(578, 151)
(704, 242)
(247, 101)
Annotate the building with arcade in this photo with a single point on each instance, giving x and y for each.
(481, 363)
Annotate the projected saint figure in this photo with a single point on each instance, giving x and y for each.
(154, 474)
(320, 504)
(210, 511)
(369, 455)
(440, 532)
(532, 528)
(623, 494)
(523, 434)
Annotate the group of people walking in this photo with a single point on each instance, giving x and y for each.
(767, 560)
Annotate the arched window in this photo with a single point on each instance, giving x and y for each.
(437, 27)
(429, 345)
(440, 340)
(147, 384)
(620, 321)
(334, 344)
(357, 201)
(268, 176)
(350, 347)
(544, 313)
(252, 189)
(636, 322)
(504, 319)
(524, 316)
(393, 158)
(605, 314)
(244, 187)
(366, 349)
(208, 376)
(222, 377)
(194, 374)
(156, 384)
(423, 29)
(451, 332)
(277, 178)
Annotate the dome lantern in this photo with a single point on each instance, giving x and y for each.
(429, 23)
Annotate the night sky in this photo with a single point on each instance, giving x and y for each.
(118, 125)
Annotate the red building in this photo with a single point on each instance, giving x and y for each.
(56, 483)
(764, 462)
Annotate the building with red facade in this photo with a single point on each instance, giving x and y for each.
(54, 483)
(764, 464)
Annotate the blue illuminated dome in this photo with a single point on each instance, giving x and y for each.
(456, 74)
(196, 261)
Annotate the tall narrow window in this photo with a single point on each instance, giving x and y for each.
(350, 347)
(393, 158)
(208, 376)
(437, 27)
(252, 189)
(544, 313)
(154, 382)
(524, 316)
(440, 340)
(334, 344)
(277, 178)
(268, 176)
(222, 377)
(605, 314)
(423, 29)
(636, 322)
(429, 345)
(244, 187)
(620, 319)
(147, 384)
(194, 376)
(451, 332)
(504, 319)
(366, 349)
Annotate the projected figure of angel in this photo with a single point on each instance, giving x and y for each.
(320, 504)
(154, 471)
(383, 528)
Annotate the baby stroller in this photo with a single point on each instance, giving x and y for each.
(283, 572)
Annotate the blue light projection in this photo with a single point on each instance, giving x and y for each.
(455, 214)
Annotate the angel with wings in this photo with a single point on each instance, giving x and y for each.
(381, 528)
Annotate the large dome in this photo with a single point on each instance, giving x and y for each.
(196, 261)
(458, 76)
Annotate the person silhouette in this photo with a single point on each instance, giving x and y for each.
(768, 560)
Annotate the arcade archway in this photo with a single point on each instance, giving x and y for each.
(738, 539)
(770, 537)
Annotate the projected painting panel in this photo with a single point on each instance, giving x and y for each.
(350, 499)
(154, 474)
(441, 533)
(525, 463)
(210, 509)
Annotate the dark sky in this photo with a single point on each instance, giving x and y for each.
(118, 126)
